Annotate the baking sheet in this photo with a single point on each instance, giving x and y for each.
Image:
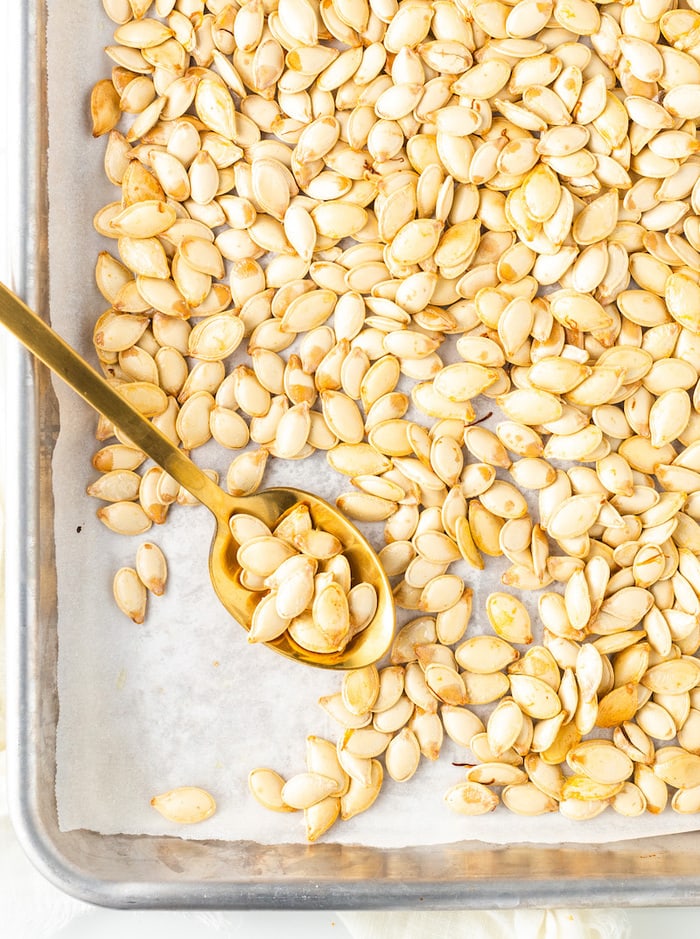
(184, 699)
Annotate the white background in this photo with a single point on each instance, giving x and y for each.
(19, 886)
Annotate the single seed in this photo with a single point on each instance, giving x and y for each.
(266, 786)
(152, 568)
(185, 805)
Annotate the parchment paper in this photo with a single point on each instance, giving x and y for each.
(184, 699)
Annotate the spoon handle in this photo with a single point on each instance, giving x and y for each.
(48, 346)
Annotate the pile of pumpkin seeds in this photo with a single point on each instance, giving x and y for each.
(452, 207)
(305, 581)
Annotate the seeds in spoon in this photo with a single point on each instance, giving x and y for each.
(321, 612)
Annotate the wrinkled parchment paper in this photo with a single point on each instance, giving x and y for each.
(184, 699)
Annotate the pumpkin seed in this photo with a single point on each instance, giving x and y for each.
(471, 798)
(185, 805)
(266, 786)
(402, 756)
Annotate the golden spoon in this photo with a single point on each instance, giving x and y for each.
(368, 646)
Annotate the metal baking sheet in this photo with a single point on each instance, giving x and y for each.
(148, 871)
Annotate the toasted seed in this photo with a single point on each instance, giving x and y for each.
(471, 798)
(504, 726)
(451, 624)
(143, 219)
(532, 473)
(435, 654)
(402, 756)
(483, 530)
(685, 801)
(653, 788)
(575, 516)
(601, 761)
(266, 786)
(130, 594)
(416, 632)
(355, 767)
(320, 817)
(540, 663)
(527, 799)
(151, 567)
(359, 796)
(117, 456)
(105, 107)
(427, 727)
(485, 654)
(688, 733)
(617, 706)
(331, 615)
(263, 554)
(365, 507)
(293, 582)
(530, 406)
(357, 459)
(333, 705)
(185, 805)
(317, 544)
(115, 486)
(460, 724)
(673, 677)
(558, 739)
(446, 683)
(629, 801)
(441, 592)
(417, 689)
(548, 778)
(342, 416)
(246, 527)
(360, 689)
(362, 605)
(216, 337)
(145, 396)
(503, 500)
(266, 623)
(496, 774)
(681, 770)
(485, 688)
(436, 547)
(125, 518)
(656, 721)
(535, 697)
(391, 685)
(245, 473)
(509, 618)
(394, 718)
(365, 742)
(307, 789)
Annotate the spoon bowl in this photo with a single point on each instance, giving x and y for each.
(268, 505)
(224, 570)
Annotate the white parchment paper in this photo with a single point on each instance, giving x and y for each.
(183, 699)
